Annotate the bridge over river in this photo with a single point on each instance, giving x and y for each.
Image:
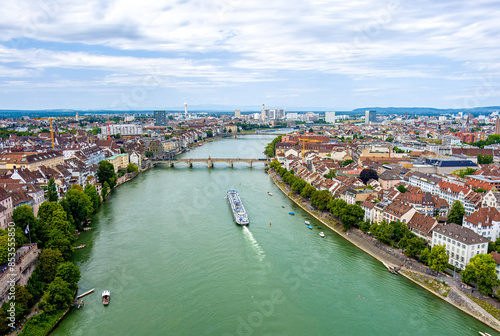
(210, 161)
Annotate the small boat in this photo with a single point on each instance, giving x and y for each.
(199, 145)
(105, 297)
(291, 213)
(309, 227)
(270, 193)
(307, 222)
(321, 234)
(282, 206)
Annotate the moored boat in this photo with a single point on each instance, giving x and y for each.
(309, 227)
(239, 213)
(291, 214)
(105, 297)
(269, 193)
(321, 234)
(307, 222)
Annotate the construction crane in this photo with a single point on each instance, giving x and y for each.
(52, 128)
(304, 146)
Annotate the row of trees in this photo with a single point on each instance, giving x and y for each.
(55, 278)
(270, 150)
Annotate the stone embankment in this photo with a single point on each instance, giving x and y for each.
(411, 269)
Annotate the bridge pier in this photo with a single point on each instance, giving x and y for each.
(190, 164)
(250, 163)
(210, 164)
(230, 163)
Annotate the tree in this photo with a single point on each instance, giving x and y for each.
(400, 230)
(425, 255)
(389, 139)
(51, 216)
(486, 159)
(402, 189)
(382, 232)
(463, 172)
(132, 168)
(78, 206)
(438, 258)
(52, 195)
(149, 154)
(457, 213)
(91, 192)
(351, 215)
(106, 173)
(414, 246)
(23, 296)
(311, 130)
(346, 162)
(4, 323)
(270, 150)
(210, 133)
(368, 174)
(49, 262)
(299, 185)
(70, 273)
(336, 205)
(320, 199)
(307, 191)
(62, 242)
(23, 216)
(481, 270)
(57, 296)
(104, 190)
(331, 174)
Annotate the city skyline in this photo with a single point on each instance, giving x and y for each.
(316, 54)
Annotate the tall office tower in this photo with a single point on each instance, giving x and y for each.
(237, 113)
(263, 112)
(330, 117)
(186, 109)
(160, 118)
(497, 126)
(370, 116)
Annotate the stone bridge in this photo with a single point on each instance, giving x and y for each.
(210, 161)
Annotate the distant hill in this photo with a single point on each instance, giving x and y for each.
(428, 110)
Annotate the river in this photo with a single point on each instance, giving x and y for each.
(167, 248)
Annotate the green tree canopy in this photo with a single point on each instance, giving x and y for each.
(307, 191)
(463, 172)
(91, 192)
(70, 273)
(78, 205)
(106, 173)
(438, 258)
(383, 231)
(320, 199)
(351, 215)
(331, 174)
(457, 213)
(402, 189)
(57, 296)
(481, 270)
(132, 168)
(49, 262)
(23, 216)
(52, 195)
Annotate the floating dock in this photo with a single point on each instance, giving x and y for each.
(85, 294)
(79, 247)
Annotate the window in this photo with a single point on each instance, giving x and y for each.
(449, 240)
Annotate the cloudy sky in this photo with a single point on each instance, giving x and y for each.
(328, 54)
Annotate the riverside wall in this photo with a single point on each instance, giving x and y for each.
(455, 297)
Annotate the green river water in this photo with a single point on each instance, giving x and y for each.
(166, 246)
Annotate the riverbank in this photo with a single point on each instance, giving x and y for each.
(452, 296)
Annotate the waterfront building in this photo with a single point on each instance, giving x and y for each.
(484, 222)
(460, 242)
(160, 118)
(119, 161)
(496, 257)
(422, 226)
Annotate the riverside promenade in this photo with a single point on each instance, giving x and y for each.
(410, 268)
